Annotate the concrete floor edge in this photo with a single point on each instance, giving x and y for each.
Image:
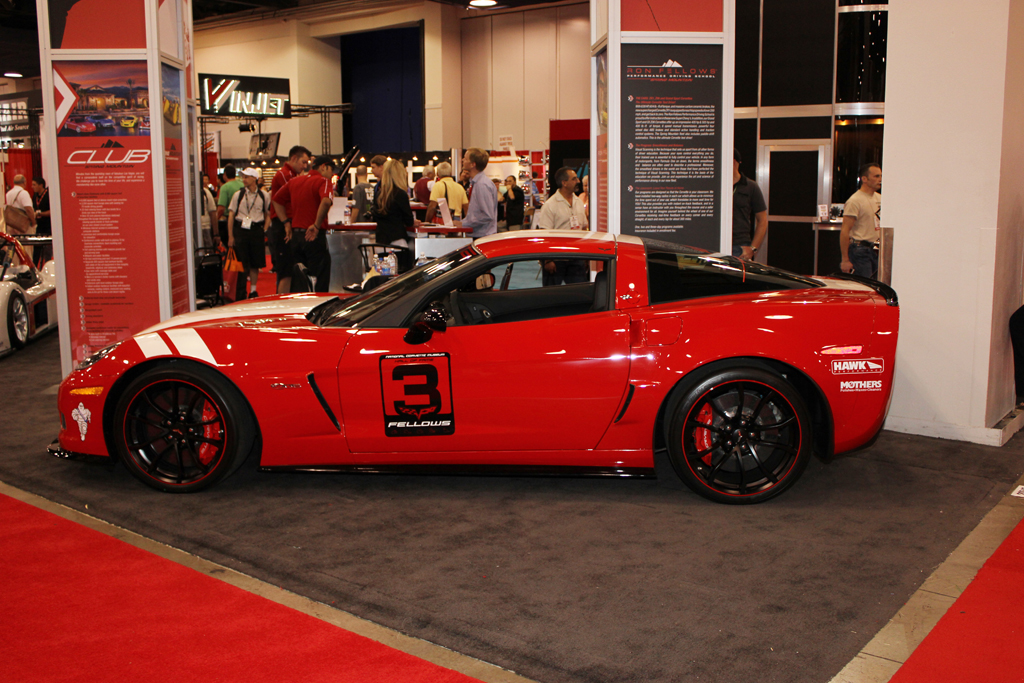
(436, 654)
(897, 640)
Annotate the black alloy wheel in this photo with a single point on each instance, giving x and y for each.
(17, 320)
(183, 428)
(740, 436)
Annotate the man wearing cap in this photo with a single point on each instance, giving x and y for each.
(310, 198)
(247, 214)
(749, 213)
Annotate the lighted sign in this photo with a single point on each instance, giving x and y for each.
(222, 95)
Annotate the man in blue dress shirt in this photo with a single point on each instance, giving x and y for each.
(482, 214)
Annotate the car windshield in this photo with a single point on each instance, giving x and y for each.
(348, 312)
(11, 265)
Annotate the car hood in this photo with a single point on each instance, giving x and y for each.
(268, 311)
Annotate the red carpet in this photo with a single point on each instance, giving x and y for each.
(981, 637)
(77, 605)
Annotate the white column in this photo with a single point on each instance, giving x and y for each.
(953, 189)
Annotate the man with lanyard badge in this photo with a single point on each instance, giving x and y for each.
(247, 213)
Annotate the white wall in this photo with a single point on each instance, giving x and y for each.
(952, 189)
(522, 69)
(269, 49)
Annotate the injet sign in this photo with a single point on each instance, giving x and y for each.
(222, 95)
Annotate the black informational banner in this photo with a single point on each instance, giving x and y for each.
(221, 95)
(671, 143)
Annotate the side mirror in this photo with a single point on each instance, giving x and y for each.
(485, 282)
(434, 319)
(419, 333)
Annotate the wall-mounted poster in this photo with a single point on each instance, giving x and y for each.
(174, 167)
(97, 24)
(671, 143)
(106, 180)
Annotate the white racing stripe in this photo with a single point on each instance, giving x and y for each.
(189, 343)
(152, 345)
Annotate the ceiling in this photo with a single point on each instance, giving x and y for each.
(19, 45)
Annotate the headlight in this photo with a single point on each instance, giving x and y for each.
(98, 356)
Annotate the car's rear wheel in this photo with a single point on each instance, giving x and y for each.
(740, 435)
(183, 428)
(17, 320)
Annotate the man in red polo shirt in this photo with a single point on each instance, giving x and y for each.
(280, 251)
(304, 202)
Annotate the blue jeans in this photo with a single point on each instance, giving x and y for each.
(864, 260)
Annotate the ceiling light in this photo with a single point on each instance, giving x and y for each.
(13, 74)
(482, 3)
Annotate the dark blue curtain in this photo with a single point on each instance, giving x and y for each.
(382, 76)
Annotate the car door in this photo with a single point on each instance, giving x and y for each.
(548, 383)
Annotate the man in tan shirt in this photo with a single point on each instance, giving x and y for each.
(862, 224)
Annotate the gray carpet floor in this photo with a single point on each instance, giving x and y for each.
(572, 580)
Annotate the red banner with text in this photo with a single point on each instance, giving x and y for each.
(106, 180)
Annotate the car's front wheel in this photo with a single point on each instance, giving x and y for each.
(182, 428)
(17, 320)
(740, 435)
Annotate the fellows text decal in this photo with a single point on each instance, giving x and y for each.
(417, 393)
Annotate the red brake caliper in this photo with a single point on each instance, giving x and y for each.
(207, 451)
(702, 437)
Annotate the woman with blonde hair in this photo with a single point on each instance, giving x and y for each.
(391, 207)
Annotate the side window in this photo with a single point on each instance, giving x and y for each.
(518, 275)
(520, 290)
(679, 277)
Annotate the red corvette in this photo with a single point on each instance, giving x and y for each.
(497, 358)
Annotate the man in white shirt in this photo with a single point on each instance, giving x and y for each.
(19, 198)
(564, 211)
(208, 218)
(247, 214)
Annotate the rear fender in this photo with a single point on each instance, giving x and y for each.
(817, 405)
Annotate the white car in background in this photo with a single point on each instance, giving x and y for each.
(28, 301)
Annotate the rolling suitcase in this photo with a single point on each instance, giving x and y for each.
(209, 273)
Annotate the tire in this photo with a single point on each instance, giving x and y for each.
(739, 456)
(183, 428)
(17, 320)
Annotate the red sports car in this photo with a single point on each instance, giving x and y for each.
(81, 126)
(510, 356)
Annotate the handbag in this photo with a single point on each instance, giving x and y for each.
(232, 264)
(17, 220)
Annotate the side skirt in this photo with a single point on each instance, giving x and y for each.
(475, 470)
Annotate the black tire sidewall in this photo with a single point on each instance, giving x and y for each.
(683, 401)
(239, 426)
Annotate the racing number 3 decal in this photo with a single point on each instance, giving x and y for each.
(417, 391)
